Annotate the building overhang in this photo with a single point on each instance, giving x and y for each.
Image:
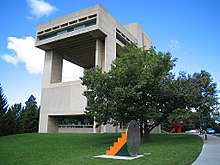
(74, 36)
(77, 47)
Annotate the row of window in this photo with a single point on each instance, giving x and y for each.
(122, 35)
(74, 28)
(122, 38)
(90, 17)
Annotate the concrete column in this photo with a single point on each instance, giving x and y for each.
(52, 124)
(99, 53)
(43, 122)
(53, 64)
(48, 124)
(110, 51)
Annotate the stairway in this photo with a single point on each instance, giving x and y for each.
(117, 145)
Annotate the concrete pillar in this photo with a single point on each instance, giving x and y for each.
(52, 124)
(53, 64)
(99, 53)
(43, 122)
(110, 51)
(102, 59)
(48, 124)
(104, 55)
(99, 61)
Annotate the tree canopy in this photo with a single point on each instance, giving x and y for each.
(18, 119)
(196, 98)
(3, 110)
(140, 86)
(30, 116)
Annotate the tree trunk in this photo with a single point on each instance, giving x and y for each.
(141, 130)
(146, 133)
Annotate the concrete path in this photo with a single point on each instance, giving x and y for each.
(210, 154)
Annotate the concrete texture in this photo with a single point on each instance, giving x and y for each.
(210, 154)
(142, 38)
(86, 38)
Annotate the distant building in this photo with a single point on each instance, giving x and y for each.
(86, 38)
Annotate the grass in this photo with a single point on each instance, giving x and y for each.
(79, 149)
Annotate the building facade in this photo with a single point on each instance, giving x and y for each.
(86, 38)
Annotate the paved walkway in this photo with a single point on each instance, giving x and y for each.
(210, 154)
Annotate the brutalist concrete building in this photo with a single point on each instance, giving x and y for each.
(86, 38)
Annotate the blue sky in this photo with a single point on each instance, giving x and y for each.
(189, 29)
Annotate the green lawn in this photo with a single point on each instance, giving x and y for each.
(79, 149)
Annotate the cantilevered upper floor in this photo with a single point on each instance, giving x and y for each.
(75, 35)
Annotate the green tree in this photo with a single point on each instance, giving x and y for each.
(177, 100)
(140, 86)
(29, 116)
(206, 97)
(193, 98)
(10, 123)
(98, 95)
(13, 117)
(132, 89)
(3, 110)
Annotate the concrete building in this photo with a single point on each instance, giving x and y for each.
(86, 38)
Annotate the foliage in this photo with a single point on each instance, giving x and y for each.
(206, 100)
(196, 100)
(14, 118)
(131, 90)
(29, 116)
(80, 149)
(17, 119)
(140, 86)
(3, 110)
(98, 95)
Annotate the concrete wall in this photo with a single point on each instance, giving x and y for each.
(61, 99)
(143, 39)
(75, 130)
(64, 98)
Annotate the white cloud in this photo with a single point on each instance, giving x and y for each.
(40, 8)
(24, 51)
(10, 59)
(173, 44)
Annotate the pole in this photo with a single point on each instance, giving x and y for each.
(205, 135)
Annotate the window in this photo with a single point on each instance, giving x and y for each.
(73, 28)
